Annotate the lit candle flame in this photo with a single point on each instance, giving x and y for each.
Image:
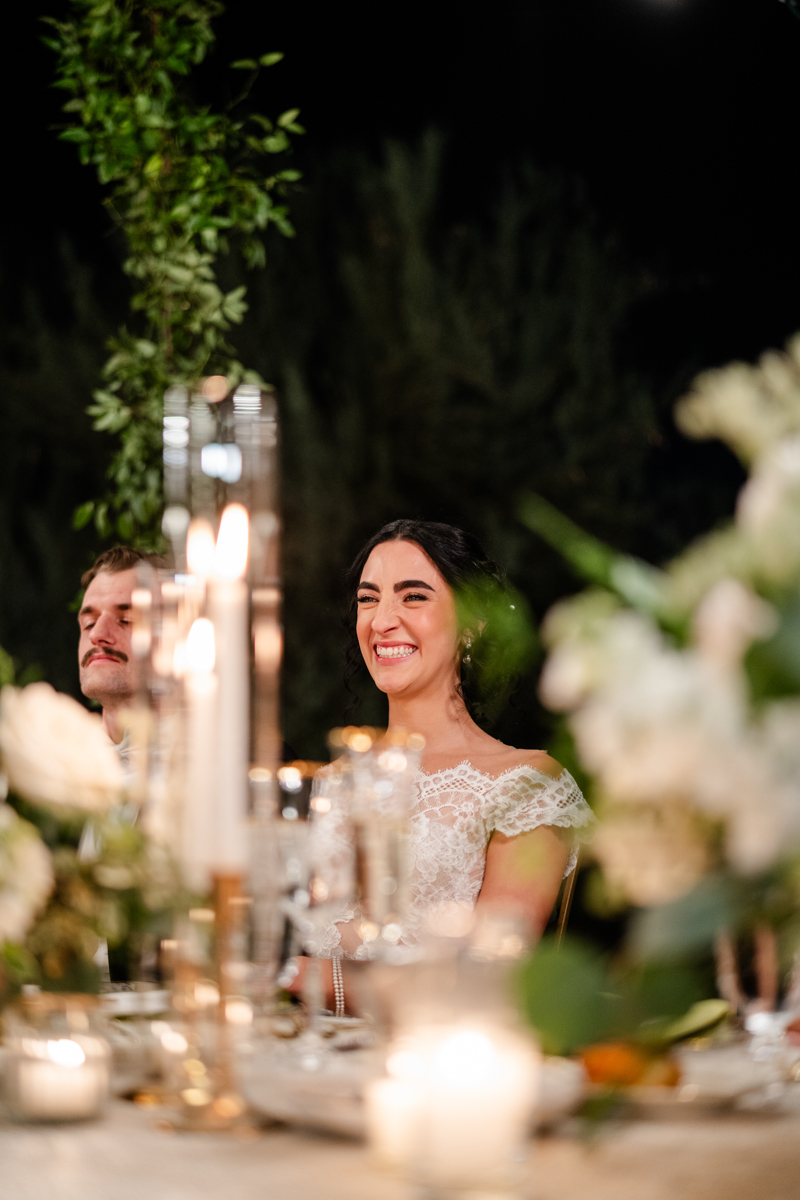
(200, 651)
(200, 548)
(230, 560)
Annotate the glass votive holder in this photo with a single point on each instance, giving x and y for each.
(454, 1111)
(57, 1064)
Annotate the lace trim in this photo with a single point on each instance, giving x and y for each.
(515, 801)
(466, 767)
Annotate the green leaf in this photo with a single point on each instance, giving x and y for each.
(277, 143)
(33, 673)
(19, 963)
(269, 60)
(687, 926)
(564, 992)
(83, 514)
(288, 117)
(7, 669)
(702, 1016)
(244, 64)
(641, 585)
(773, 666)
(126, 526)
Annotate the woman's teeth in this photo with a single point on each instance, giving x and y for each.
(394, 651)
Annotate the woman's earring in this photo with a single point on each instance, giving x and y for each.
(467, 646)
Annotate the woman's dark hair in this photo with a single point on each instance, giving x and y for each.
(493, 612)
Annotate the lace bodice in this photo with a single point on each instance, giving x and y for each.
(455, 813)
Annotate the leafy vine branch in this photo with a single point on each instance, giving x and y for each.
(183, 183)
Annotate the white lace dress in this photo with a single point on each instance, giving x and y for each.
(455, 814)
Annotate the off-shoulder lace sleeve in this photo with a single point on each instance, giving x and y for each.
(524, 798)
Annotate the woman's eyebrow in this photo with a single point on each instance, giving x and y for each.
(372, 587)
(409, 583)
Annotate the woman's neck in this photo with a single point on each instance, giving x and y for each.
(442, 718)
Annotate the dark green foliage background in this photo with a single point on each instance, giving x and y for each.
(425, 365)
(52, 460)
(436, 368)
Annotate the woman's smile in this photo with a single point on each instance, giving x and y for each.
(392, 652)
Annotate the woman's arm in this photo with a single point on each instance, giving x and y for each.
(523, 875)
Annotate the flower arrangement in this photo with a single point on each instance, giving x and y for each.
(681, 689)
(54, 752)
(26, 875)
(75, 868)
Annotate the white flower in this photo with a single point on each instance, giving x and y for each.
(653, 855)
(26, 875)
(768, 512)
(54, 751)
(750, 408)
(591, 642)
(669, 729)
(728, 619)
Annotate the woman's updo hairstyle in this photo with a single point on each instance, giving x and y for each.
(491, 614)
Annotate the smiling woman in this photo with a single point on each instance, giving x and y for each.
(493, 825)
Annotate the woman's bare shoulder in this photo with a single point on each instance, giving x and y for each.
(498, 758)
(541, 761)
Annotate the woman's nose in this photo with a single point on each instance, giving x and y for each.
(384, 616)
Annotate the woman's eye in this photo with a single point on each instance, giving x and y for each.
(415, 596)
(366, 600)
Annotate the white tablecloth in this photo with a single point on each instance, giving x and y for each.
(125, 1157)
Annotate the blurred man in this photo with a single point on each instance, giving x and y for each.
(105, 659)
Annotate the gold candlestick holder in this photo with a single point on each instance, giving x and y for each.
(200, 1048)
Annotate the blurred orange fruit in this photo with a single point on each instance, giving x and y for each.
(616, 1064)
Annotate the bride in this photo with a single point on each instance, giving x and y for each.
(492, 826)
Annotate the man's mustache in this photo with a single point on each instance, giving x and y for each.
(109, 653)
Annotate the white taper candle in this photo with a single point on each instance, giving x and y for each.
(198, 832)
(228, 606)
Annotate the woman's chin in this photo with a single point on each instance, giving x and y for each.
(393, 679)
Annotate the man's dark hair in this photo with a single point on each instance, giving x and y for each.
(118, 559)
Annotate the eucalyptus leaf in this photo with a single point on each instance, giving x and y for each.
(564, 992)
(686, 926)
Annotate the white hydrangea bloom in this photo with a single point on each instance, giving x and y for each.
(662, 726)
(653, 855)
(26, 875)
(673, 728)
(750, 408)
(55, 752)
(729, 618)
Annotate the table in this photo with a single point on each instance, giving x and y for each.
(126, 1157)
